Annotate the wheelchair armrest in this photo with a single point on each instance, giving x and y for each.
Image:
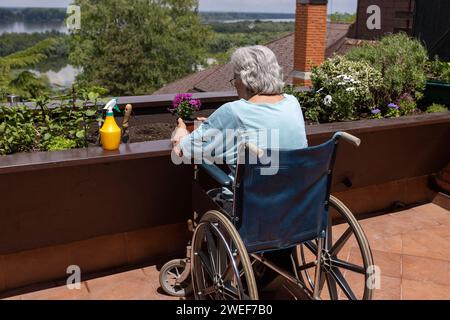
(217, 174)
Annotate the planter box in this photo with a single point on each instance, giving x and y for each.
(437, 92)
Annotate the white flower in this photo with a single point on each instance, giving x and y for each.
(350, 89)
(327, 100)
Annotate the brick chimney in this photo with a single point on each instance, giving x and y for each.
(310, 39)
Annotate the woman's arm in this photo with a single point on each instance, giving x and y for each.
(207, 141)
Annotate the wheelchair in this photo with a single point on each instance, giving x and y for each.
(285, 224)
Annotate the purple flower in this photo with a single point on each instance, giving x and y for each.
(180, 98)
(376, 111)
(183, 105)
(393, 106)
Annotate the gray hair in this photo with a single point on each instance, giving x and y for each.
(258, 68)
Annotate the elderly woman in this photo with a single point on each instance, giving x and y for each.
(258, 79)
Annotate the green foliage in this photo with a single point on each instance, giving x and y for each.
(407, 104)
(344, 89)
(17, 132)
(342, 17)
(61, 143)
(13, 78)
(13, 42)
(401, 61)
(133, 47)
(51, 125)
(439, 70)
(436, 108)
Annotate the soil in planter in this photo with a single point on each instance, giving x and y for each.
(151, 131)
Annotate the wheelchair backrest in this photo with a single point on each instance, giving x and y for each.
(289, 207)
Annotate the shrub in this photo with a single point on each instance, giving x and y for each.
(436, 108)
(406, 104)
(401, 61)
(438, 70)
(344, 89)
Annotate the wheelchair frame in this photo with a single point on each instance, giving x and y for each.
(324, 259)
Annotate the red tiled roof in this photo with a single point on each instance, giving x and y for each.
(217, 78)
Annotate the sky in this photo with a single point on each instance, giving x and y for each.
(285, 6)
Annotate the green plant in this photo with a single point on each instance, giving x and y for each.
(436, 108)
(438, 70)
(61, 143)
(401, 61)
(344, 90)
(407, 104)
(54, 125)
(17, 133)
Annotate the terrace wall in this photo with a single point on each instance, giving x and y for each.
(105, 210)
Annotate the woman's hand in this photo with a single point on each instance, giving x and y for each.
(178, 135)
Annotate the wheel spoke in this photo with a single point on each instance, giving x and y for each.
(207, 266)
(341, 242)
(338, 276)
(212, 251)
(207, 291)
(311, 246)
(231, 292)
(308, 265)
(348, 266)
(228, 272)
(331, 284)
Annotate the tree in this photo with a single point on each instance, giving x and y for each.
(136, 46)
(14, 78)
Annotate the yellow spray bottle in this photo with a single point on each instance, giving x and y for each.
(110, 133)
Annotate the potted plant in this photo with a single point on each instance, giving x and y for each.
(184, 106)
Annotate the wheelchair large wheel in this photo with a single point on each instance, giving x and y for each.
(346, 263)
(221, 267)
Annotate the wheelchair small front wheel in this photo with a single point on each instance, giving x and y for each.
(169, 276)
(221, 267)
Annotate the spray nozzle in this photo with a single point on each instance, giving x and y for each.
(111, 106)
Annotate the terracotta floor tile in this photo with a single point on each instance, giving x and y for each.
(59, 293)
(415, 218)
(435, 212)
(389, 263)
(388, 227)
(426, 243)
(419, 290)
(389, 244)
(426, 269)
(390, 287)
(132, 285)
